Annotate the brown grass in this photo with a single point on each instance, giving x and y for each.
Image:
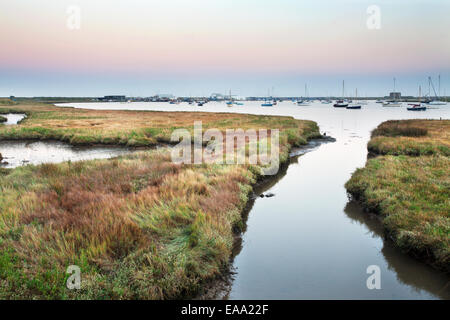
(411, 137)
(136, 128)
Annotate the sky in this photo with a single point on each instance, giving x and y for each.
(197, 47)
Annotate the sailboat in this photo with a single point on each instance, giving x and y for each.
(304, 102)
(354, 105)
(393, 103)
(230, 102)
(436, 102)
(268, 102)
(326, 100)
(341, 103)
(363, 102)
(420, 106)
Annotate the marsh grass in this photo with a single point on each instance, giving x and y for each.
(136, 128)
(411, 137)
(398, 128)
(410, 191)
(139, 226)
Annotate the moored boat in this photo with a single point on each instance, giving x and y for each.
(417, 107)
(437, 103)
(355, 105)
(267, 104)
(392, 104)
(340, 104)
(304, 102)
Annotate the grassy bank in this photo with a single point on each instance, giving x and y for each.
(411, 137)
(135, 128)
(139, 226)
(408, 185)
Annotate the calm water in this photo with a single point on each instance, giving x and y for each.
(18, 153)
(309, 241)
(13, 118)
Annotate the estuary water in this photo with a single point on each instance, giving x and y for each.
(13, 118)
(19, 153)
(309, 241)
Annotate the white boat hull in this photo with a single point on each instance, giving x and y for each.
(392, 104)
(437, 103)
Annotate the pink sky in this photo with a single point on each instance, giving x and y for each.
(201, 37)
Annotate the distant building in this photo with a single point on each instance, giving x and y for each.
(165, 96)
(395, 95)
(217, 97)
(113, 98)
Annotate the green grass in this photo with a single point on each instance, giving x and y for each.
(139, 226)
(411, 193)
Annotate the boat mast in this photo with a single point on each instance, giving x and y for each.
(439, 88)
(343, 86)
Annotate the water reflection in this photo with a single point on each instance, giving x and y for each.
(221, 287)
(18, 153)
(13, 118)
(406, 268)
